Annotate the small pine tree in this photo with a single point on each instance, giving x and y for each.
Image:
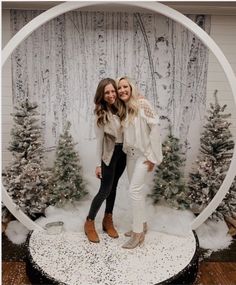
(227, 208)
(169, 184)
(216, 146)
(66, 183)
(25, 179)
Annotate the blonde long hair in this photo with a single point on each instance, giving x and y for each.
(132, 106)
(102, 109)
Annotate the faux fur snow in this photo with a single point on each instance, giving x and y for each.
(212, 235)
(16, 232)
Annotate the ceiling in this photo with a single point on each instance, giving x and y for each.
(186, 7)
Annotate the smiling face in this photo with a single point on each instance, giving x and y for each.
(124, 90)
(109, 94)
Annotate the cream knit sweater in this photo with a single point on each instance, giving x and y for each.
(143, 133)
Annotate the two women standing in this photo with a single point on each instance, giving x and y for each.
(142, 144)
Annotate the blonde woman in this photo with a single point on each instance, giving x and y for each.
(142, 144)
(111, 160)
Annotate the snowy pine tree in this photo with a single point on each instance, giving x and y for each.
(66, 183)
(227, 207)
(25, 179)
(216, 146)
(169, 183)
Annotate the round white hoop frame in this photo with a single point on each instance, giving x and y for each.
(154, 7)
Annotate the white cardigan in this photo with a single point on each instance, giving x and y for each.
(143, 133)
(113, 128)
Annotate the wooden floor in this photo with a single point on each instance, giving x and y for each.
(14, 273)
(217, 273)
(210, 273)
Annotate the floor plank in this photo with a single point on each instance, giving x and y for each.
(217, 273)
(14, 273)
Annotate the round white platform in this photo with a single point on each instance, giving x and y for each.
(69, 258)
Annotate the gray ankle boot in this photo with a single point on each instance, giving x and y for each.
(137, 239)
(129, 233)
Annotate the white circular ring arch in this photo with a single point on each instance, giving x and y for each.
(154, 7)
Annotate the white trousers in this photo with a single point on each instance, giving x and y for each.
(137, 175)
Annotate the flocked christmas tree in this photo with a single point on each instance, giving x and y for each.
(227, 208)
(66, 183)
(216, 146)
(169, 183)
(25, 178)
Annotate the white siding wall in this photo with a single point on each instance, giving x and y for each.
(7, 121)
(223, 31)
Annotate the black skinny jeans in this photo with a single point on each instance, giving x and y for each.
(109, 181)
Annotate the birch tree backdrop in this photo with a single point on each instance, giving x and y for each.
(60, 65)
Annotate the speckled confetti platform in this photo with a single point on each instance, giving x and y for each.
(69, 258)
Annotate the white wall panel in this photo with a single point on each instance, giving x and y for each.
(6, 90)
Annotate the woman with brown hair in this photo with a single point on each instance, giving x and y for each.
(111, 160)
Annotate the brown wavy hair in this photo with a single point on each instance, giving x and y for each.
(102, 109)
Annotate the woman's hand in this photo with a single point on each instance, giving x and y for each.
(98, 172)
(140, 96)
(150, 165)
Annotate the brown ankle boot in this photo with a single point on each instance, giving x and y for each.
(108, 227)
(90, 231)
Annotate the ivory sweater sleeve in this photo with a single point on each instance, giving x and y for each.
(154, 153)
